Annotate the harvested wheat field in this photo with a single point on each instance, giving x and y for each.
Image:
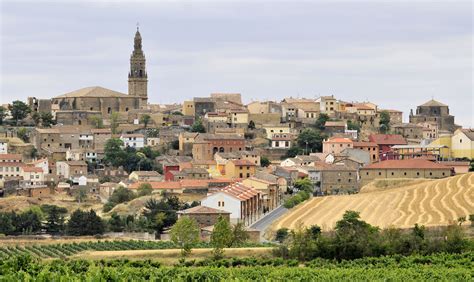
(430, 203)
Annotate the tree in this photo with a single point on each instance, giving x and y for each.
(81, 194)
(22, 133)
(96, 121)
(321, 121)
(185, 233)
(36, 118)
(251, 124)
(198, 127)
(46, 119)
(264, 161)
(85, 223)
(116, 223)
(19, 110)
(221, 236)
(3, 114)
(293, 152)
(114, 154)
(114, 122)
(239, 234)
(311, 139)
(144, 189)
(282, 234)
(120, 195)
(145, 119)
(384, 123)
(353, 125)
(54, 219)
(304, 184)
(471, 167)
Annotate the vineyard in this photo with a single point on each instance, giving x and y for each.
(71, 249)
(444, 267)
(431, 203)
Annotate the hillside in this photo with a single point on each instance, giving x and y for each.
(431, 203)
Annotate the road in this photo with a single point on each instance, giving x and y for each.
(264, 222)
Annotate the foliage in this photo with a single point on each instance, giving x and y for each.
(114, 122)
(251, 124)
(36, 118)
(3, 114)
(321, 121)
(293, 152)
(221, 236)
(185, 233)
(96, 121)
(120, 195)
(129, 158)
(282, 234)
(144, 189)
(145, 119)
(114, 154)
(384, 123)
(85, 223)
(198, 127)
(46, 119)
(55, 222)
(239, 235)
(27, 222)
(304, 188)
(311, 139)
(264, 161)
(471, 166)
(19, 110)
(22, 133)
(353, 125)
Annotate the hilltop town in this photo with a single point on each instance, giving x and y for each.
(139, 166)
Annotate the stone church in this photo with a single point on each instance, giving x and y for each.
(434, 112)
(89, 101)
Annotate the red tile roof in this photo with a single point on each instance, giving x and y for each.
(406, 164)
(364, 144)
(243, 162)
(338, 140)
(158, 185)
(10, 157)
(240, 191)
(202, 210)
(387, 139)
(32, 169)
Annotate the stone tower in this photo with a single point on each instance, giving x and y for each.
(137, 77)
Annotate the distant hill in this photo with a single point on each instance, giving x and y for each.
(430, 203)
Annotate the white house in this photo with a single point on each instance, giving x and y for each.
(32, 176)
(136, 141)
(41, 163)
(281, 140)
(241, 201)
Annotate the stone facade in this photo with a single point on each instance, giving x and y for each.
(138, 77)
(434, 111)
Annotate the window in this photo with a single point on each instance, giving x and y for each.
(248, 175)
(418, 174)
(241, 175)
(431, 173)
(392, 173)
(380, 173)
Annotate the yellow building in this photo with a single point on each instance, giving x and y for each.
(240, 169)
(188, 108)
(276, 129)
(269, 192)
(443, 140)
(462, 144)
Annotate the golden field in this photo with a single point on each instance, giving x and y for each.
(428, 202)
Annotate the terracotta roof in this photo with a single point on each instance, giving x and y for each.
(261, 180)
(158, 184)
(387, 139)
(239, 191)
(338, 140)
(32, 169)
(194, 183)
(243, 162)
(406, 164)
(11, 157)
(202, 210)
(364, 144)
(11, 164)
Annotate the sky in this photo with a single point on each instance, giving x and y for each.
(397, 54)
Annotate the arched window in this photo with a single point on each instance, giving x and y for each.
(109, 110)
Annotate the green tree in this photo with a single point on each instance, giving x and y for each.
(384, 123)
(321, 121)
(293, 152)
(114, 117)
(145, 119)
(85, 223)
(282, 234)
(81, 194)
(198, 126)
(144, 189)
(353, 125)
(251, 124)
(120, 195)
(221, 237)
(239, 234)
(185, 233)
(116, 223)
(96, 121)
(311, 139)
(471, 167)
(304, 185)
(22, 133)
(3, 114)
(36, 118)
(19, 110)
(113, 153)
(264, 161)
(46, 119)
(54, 219)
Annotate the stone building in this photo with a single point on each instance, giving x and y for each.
(409, 130)
(204, 216)
(206, 145)
(105, 101)
(434, 111)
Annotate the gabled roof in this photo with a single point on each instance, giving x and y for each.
(95, 91)
(239, 191)
(11, 157)
(202, 210)
(406, 164)
(32, 169)
(242, 162)
(338, 140)
(433, 103)
(469, 132)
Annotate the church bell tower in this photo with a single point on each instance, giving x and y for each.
(137, 77)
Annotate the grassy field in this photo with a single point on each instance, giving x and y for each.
(430, 203)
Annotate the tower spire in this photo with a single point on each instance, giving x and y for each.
(138, 77)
